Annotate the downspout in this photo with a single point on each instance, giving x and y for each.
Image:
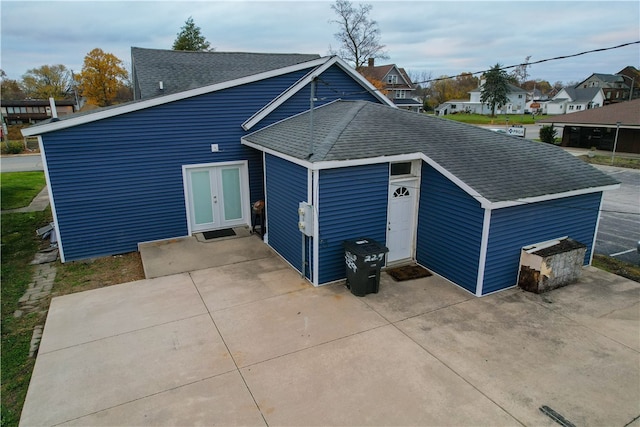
(303, 237)
(311, 100)
(484, 243)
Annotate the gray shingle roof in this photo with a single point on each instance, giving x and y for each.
(181, 70)
(582, 94)
(626, 112)
(500, 168)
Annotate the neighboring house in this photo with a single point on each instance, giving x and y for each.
(33, 110)
(396, 84)
(614, 87)
(458, 199)
(573, 99)
(631, 76)
(516, 105)
(598, 127)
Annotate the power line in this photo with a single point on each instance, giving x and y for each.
(534, 62)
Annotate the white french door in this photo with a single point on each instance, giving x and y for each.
(217, 196)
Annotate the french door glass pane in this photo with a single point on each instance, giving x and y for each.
(201, 189)
(231, 193)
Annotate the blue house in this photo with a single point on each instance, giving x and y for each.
(457, 199)
(460, 200)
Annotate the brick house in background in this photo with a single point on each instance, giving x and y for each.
(30, 111)
(396, 84)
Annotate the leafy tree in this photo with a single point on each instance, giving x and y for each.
(543, 86)
(10, 89)
(358, 35)
(190, 38)
(441, 89)
(48, 81)
(462, 85)
(495, 89)
(102, 78)
(548, 134)
(377, 84)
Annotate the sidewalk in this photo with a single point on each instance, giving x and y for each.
(39, 203)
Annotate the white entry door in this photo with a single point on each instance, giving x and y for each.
(216, 196)
(401, 219)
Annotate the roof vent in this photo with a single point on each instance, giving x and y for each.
(161, 84)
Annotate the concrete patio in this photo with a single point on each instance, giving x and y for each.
(248, 342)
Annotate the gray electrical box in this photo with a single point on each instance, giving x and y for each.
(305, 218)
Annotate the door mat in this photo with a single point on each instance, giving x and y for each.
(227, 232)
(408, 272)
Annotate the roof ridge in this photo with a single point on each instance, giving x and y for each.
(339, 128)
(222, 52)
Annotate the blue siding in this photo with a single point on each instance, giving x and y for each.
(352, 204)
(333, 84)
(518, 226)
(449, 229)
(286, 188)
(118, 181)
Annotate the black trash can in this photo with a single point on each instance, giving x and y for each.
(363, 260)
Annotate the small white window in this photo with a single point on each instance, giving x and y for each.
(392, 79)
(403, 168)
(401, 192)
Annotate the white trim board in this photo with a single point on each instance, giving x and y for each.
(147, 103)
(284, 96)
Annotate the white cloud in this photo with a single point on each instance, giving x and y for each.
(441, 37)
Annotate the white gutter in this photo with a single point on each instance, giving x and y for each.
(287, 94)
(144, 104)
(484, 202)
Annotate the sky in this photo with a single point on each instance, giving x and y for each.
(427, 38)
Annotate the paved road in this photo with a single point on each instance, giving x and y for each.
(619, 230)
(22, 163)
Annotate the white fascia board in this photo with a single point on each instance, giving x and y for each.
(547, 197)
(284, 96)
(52, 200)
(334, 164)
(295, 160)
(484, 244)
(141, 105)
(486, 204)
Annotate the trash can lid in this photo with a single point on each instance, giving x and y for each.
(364, 246)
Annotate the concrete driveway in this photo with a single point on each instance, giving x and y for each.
(251, 343)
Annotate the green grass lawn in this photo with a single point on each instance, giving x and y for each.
(19, 245)
(17, 189)
(481, 119)
(618, 160)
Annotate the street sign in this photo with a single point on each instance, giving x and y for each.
(517, 131)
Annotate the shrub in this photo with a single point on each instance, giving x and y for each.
(548, 134)
(12, 147)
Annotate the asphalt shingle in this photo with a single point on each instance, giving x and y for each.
(499, 167)
(181, 70)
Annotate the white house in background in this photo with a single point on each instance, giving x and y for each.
(516, 104)
(573, 99)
